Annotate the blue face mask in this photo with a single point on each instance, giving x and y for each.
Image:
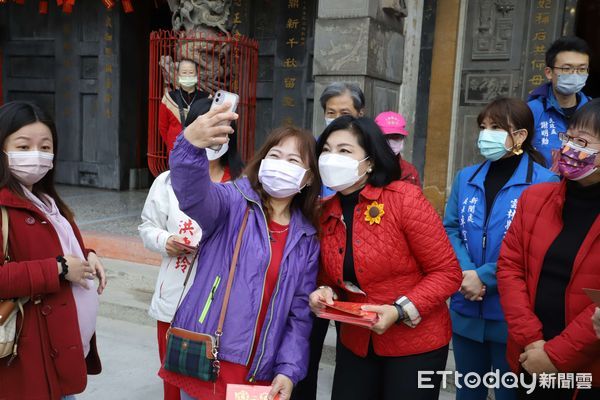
(569, 84)
(491, 144)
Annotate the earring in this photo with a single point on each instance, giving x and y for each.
(517, 150)
(369, 170)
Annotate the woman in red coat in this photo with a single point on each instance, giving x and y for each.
(382, 243)
(47, 263)
(550, 253)
(176, 104)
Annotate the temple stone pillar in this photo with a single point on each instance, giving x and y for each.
(359, 41)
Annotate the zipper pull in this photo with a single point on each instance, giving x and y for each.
(484, 240)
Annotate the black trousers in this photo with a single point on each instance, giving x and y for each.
(306, 389)
(386, 378)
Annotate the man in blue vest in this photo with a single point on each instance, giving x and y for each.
(553, 103)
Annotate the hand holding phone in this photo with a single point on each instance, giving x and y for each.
(212, 128)
(222, 97)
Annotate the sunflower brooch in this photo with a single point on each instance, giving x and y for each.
(374, 213)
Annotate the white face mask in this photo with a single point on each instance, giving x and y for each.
(29, 167)
(339, 172)
(397, 145)
(187, 81)
(215, 155)
(280, 178)
(328, 121)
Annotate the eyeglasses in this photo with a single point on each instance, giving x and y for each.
(579, 141)
(573, 70)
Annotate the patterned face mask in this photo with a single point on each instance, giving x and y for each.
(577, 162)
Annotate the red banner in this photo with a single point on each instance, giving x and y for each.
(67, 5)
(127, 7)
(43, 7)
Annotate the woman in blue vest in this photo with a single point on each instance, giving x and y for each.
(478, 213)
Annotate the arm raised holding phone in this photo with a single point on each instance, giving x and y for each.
(207, 130)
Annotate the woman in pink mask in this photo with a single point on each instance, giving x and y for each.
(393, 127)
(550, 253)
(46, 262)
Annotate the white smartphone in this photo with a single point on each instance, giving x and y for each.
(222, 97)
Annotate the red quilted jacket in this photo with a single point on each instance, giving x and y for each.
(536, 224)
(406, 254)
(409, 172)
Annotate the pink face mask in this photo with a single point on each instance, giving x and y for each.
(29, 166)
(576, 162)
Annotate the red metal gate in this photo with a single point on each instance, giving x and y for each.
(224, 62)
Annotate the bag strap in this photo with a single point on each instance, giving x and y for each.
(20, 301)
(5, 256)
(185, 281)
(229, 279)
(232, 268)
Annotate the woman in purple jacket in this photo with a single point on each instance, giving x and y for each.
(268, 321)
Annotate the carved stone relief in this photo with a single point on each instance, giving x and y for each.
(197, 19)
(192, 14)
(344, 47)
(482, 88)
(493, 30)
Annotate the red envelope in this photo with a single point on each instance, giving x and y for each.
(350, 313)
(248, 392)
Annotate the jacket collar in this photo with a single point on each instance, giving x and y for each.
(521, 176)
(10, 199)
(332, 206)
(546, 95)
(297, 222)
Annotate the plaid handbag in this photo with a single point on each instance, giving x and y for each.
(197, 354)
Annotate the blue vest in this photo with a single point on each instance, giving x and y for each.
(477, 241)
(549, 120)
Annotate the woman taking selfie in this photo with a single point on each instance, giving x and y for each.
(382, 244)
(168, 231)
(267, 323)
(47, 263)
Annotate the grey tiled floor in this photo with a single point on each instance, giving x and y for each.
(106, 211)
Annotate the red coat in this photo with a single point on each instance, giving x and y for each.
(169, 124)
(406, 254)
(409, 173)
(536, 224)
(50, 361)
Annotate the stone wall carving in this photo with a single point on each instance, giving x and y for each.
(197, 19)
(482, 88)
(193, 14)
(493, 30)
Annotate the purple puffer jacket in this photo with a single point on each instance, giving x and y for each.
(219, 210)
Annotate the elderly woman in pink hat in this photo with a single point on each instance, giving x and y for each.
(393, 127)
